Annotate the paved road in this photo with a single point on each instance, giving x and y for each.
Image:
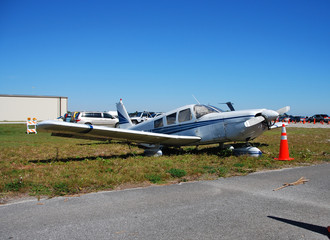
(232, 208)
(309, 125)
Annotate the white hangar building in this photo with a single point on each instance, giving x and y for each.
(20, 107)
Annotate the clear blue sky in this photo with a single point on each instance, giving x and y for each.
(157, 54)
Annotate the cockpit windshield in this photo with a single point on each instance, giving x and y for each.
(201, 110)
(216, 108)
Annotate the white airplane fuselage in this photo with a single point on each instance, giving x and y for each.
(215, 127)
(194, 124)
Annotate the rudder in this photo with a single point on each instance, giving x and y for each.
(124, 119)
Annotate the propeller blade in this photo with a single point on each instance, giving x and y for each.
(253, 121)
(283, 110)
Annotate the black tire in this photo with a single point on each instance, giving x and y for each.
(88, 123)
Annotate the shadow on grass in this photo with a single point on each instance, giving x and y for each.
(95, 143)
(89, 158)
(167, 151)
(214, 150)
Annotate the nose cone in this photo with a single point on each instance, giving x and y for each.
(270, 115)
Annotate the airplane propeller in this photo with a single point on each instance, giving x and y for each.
(266, 115)
(283, 110)
(254, 121)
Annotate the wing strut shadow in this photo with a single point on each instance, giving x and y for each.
(307, 226)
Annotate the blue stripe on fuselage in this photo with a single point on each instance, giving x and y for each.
(187, 126)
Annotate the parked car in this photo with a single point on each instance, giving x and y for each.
(319, 118)
(139, 117)
(96, 118)
(284, 118)
(303, 118)
(296, 118)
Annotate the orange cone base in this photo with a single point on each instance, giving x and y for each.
(284, 159)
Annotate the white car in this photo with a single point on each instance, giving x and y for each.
(139, 117)
(96, 118)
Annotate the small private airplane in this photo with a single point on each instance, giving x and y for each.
(194, 124)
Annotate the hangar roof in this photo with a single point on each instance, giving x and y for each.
(31, 96)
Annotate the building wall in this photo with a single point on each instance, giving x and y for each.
(19, 107)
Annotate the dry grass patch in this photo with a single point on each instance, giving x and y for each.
(44, 165)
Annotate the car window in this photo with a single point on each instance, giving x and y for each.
(92, 115)
(185, 115)
(171, 119)
(107, 115)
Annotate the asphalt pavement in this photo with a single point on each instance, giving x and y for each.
(244, 207)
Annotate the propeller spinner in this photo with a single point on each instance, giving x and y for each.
(267, 115)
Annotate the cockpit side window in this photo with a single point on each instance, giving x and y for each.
(158, 123)
(201, 110)
(184, 115)
(171, 118)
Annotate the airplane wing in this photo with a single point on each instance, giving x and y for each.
(74, 130)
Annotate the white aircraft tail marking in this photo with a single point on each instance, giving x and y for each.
(124, 119)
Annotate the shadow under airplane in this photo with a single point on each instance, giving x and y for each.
(307, 226)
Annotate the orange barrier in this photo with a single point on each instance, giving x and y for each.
(31, 126)
(284, 147)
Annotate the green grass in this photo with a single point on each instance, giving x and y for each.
(41, 165)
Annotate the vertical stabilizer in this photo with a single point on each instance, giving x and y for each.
(124, 119)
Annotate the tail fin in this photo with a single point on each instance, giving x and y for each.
(124, 119)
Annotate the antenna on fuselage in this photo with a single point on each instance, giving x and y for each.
(196, 99)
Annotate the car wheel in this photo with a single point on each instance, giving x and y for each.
(134, 122)
(88, 123)
(117, 125)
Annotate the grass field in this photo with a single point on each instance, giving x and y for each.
(41, 165)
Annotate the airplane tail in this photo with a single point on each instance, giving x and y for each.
(124, 119)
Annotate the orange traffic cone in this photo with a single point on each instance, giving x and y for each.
(284, 147)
